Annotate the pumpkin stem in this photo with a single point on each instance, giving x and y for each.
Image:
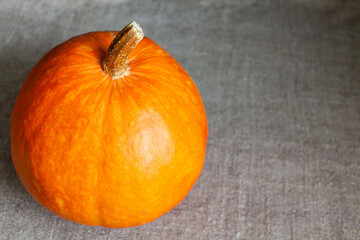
(115, 61)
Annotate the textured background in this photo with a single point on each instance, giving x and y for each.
(281, 85)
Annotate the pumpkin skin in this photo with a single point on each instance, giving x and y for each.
(102, 151)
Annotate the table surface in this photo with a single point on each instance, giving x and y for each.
(281, 86)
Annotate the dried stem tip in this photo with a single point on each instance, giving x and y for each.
(116, 56)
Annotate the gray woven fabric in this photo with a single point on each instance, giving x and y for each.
(280, 83)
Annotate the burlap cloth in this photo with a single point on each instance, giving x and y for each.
(281, 86)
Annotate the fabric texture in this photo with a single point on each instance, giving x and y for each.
(281, 87)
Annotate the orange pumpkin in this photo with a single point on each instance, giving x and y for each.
(113, 137)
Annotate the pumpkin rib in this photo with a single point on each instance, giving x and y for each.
(101, 169)
(100, 164)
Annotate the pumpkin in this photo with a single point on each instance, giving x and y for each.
(108, 129)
